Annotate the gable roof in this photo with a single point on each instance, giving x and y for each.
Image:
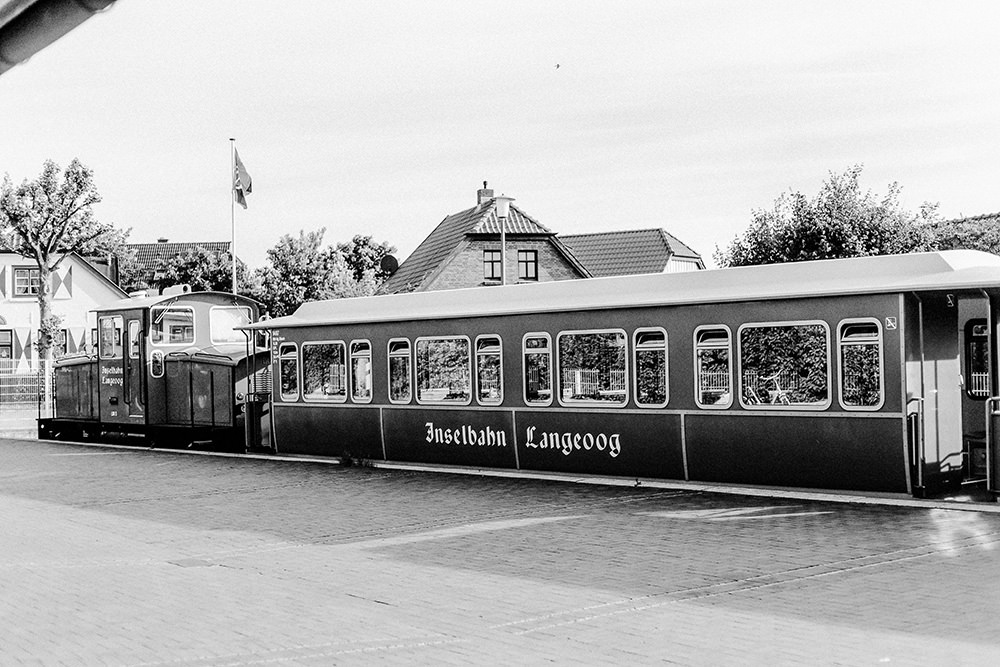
(148, 254)
(425, 262)
(79, 261)
(631, 252)
(949, 270)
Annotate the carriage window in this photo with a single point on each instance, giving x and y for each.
(361, 371)
(444, 370)
(324, 372)
(977, 359)
(785, 365)
(861, 381)
(288, 371)
(399, 371)
(223, 323)
(489, 373)
(171, 325)
(592, 367)
(111, 337)
(537, 369)
(650, 361)
(713, 367)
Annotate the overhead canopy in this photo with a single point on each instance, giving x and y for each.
(949, 270)
(28, 26)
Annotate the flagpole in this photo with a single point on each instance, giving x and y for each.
(232, 204)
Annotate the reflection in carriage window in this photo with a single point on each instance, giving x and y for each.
(111, 337)
(592, 367)
(714, 367)
(489, 385)
(288, 371)
(171, 325)
(650, 368)
(861, 384)
(784, 365)
(977, 359)
(324, 371)
(399, 371)
(537, 369)
(361, 371)
(223, 323)
(444, 370)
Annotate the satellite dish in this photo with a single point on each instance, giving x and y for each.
(388, 265)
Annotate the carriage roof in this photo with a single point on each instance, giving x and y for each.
(159, 299)
(918, 272)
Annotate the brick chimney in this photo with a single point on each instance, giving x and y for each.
(483, 195)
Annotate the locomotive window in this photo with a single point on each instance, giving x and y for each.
(489, 371)
(785, 365)
(444, 370)
(288, 371)
(223, 321)
(171, 325)
(400, 380)
(537, 351)
(977, 359)
(650, 361)
(324, 372)
(361, 371)
(133, 339)
(592, 367)
(713, 367)
(861, 379)
(111, 337)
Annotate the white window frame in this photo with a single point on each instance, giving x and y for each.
(476, 365)
(812, 407)
(390, 355)
(289, 398)
(302, 372)
(32, 287)
(881, 363)
(635, 366)
(117, 330)
(697, 367)
(525, 351)
(569, 402)
(194, 327)
(350, 370)
(468, 361)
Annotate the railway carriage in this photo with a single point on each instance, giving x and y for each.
(872, 374)
(174, 367)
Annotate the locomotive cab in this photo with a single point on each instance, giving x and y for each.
(174, 368)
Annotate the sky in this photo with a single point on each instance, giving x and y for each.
(383, 118)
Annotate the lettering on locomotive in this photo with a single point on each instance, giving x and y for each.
(108, 373)
(465, 435)
(568, 443)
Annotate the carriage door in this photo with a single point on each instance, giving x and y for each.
(991, 455)
(135, 369)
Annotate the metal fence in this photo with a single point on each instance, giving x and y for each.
(22, 384)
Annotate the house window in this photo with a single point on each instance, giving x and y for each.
(6, 350)
(527, 265)
(26, 282)
(492, 265)
(399, 371)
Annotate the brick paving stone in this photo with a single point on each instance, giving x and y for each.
(150, 558)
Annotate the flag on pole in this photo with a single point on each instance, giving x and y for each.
(242, 183)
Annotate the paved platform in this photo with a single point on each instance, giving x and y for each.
(134, 557)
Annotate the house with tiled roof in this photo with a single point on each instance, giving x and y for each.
(464, 251)
(632, 252)
(149, 255)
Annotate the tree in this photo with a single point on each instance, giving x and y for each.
(979, 233)
(842, 220)
(362, 255)
(204, 270)
(48, 219)
(300, 269)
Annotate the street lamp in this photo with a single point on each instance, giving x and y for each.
(503, 209)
